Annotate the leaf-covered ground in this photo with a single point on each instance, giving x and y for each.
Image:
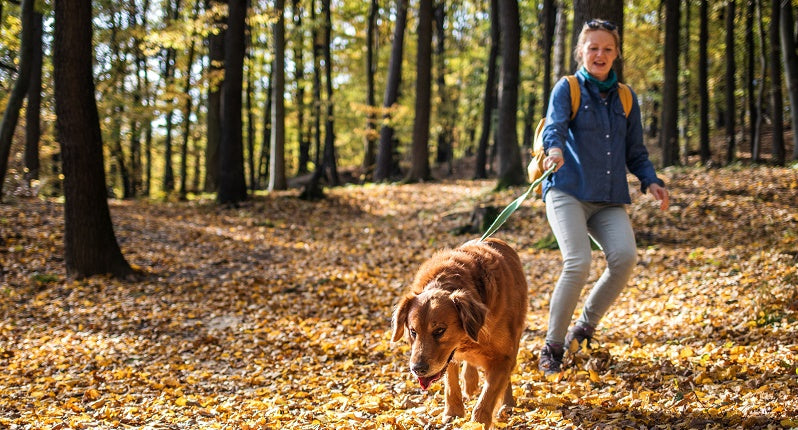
(277, 314)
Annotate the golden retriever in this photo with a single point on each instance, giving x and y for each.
(466, 305)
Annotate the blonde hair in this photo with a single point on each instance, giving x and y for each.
(596, 25)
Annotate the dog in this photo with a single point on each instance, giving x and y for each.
(466, 305)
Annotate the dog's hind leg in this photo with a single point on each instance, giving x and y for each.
(454, 396)
(471, 380)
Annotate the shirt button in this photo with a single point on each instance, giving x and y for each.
(609, 153)
(608, 172)
(607, 136)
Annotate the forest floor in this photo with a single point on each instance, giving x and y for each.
(277, 314)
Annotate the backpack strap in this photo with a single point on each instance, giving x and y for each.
(625, 93)
(576, 94)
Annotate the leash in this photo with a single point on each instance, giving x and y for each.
(512, 207)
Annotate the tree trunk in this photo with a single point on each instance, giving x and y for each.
(559, 52)
(750, 78)
(548, 18)
(89, 242)
(510, 170)
(329, 163)
(419, 168)
(610, 10)
(670, 90)
(370, 139)
(703, 83)
(265, 147)
(299, 78)
(232, 185)
(790, 58)
(756, 146)
(776, 100)
(20, 89)
(731, 71)
(189, 106)
(33, 110)
(385, 159)
(213, 131)
(277, 179)
(489, 99)
(446, 108)
(169, 65)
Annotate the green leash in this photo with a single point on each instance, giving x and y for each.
(512, 207)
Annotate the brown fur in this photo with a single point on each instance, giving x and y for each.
(466, 305)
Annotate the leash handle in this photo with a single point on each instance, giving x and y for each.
(512, 207)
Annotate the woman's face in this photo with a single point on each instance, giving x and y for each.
(598, 53)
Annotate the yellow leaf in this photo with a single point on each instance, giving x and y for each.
(686, 352)
(181, 401)
(91, 394)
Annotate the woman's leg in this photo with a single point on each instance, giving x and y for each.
(612, 229)
(568, 221)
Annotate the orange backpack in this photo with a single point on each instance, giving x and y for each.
(535, 169)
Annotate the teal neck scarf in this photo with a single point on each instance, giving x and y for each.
(603, 86)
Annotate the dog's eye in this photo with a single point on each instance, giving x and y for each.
(438, 333)
(412, 334)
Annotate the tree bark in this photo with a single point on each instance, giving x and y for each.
(188, 107)
(299, 78)
(370, 138)
(703, 83)
(731, 72)
(385, 159)
(277, 179)
(670, 90)
(790, 58)
(420, 168)
(213, 132)
(776, 100)
(489, 99)
(548, 22)
(510, 170)
(33, 110)
(20, 89)
(90, 246)
(756, 146)
(232, 185)
(447, 108)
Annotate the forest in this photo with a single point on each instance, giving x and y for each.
(209, 208)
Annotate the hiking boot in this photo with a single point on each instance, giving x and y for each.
(579, 333)
(551, 359)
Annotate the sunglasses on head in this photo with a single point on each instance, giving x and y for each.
(595, 24)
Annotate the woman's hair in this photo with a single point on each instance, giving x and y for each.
(596, 25)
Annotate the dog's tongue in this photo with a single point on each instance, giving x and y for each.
(425, 381)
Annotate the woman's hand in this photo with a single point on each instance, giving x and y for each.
(659, 193)
(554, 158)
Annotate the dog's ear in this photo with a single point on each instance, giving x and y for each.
(399, 320)
(472, 312)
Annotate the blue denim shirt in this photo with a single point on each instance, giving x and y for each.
(598, 145)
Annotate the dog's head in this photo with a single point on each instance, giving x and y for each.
(437, 323)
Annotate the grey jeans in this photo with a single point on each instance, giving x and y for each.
(574, 222)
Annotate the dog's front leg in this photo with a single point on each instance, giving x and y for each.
(497, 380)
(454, 396)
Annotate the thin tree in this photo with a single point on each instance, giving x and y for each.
(329, 163)
(172, 14)
(419, 167)
(299, 78)
(188, 107)
(750, 60)
(548, 21)
(670, 91)
(33, 109)
(790, 57)
(489, 99)
(511, 171)
(370, 136)
(446, 106)
(277, 179)
(776, 98)
(703, 83)
(20, 89)
(213, 131)
(232, 185)
(731, 71)
(90, 246)
(756, 145)
(385, 159)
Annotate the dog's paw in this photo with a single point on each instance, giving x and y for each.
(452, 412)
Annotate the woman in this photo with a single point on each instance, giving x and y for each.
(585, 197)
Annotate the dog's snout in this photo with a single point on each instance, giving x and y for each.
(420, 368)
